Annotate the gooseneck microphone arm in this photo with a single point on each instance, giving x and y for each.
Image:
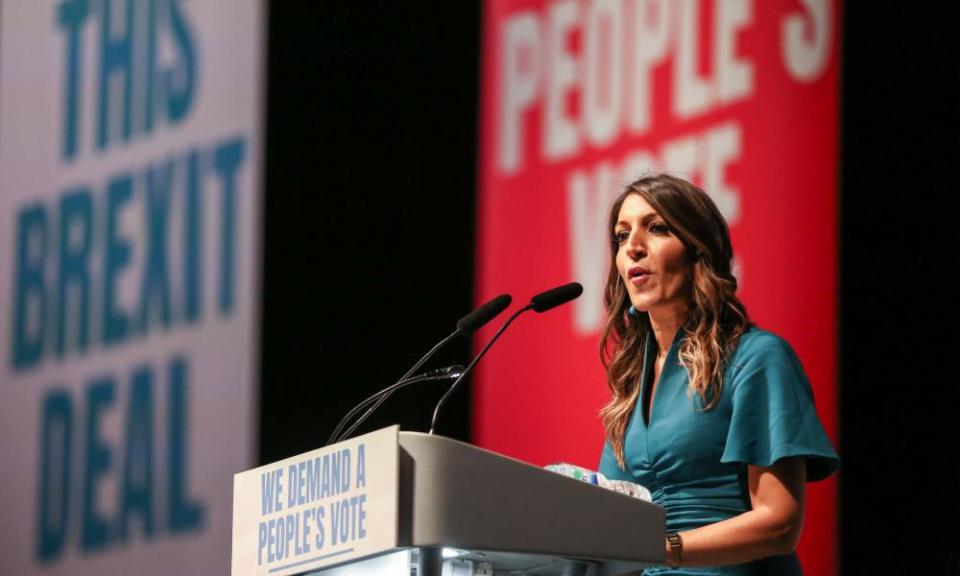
(336, 435)
(465, 327)
(540, 303)
(453, 387)
(378, 398)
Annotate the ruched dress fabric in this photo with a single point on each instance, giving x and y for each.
(694, 462)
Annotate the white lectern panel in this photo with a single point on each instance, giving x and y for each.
(323, 507)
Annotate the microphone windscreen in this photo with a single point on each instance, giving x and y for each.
(474, 320)
(556, 296)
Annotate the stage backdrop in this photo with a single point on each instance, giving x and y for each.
(580, 98)
(129, 196)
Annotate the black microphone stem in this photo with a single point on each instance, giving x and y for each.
(456, 383)
(381, 396)
(336, 435)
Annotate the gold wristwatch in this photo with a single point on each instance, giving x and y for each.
(676, 549)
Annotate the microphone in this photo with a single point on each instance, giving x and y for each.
(539, 303)
(446, 373)
(465, 327)
(474, 320)
(555, 297)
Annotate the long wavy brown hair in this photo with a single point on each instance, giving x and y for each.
(715, 319)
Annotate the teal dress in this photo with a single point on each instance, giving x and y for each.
(695, 463)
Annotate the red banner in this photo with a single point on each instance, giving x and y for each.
(580, 98)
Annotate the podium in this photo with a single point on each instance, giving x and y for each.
(393, 502)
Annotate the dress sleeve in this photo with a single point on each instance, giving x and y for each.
(608, 466)
(773, 411)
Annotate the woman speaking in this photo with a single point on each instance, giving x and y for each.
(713, 415)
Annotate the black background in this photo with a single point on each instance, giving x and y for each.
(899, 388)
(368, 256)
(370, 190)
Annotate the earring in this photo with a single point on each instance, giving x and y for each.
(632, 311)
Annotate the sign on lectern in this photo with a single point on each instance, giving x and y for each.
(320, 508)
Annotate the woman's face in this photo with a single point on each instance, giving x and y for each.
(652, 261)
